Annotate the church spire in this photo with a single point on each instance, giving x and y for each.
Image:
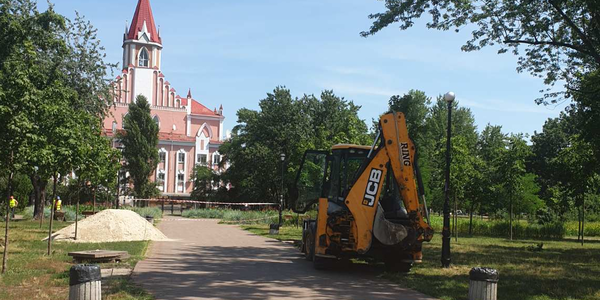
(143, 20)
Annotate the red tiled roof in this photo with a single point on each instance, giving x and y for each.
(165, 136)
(143, 12)
(199, 109)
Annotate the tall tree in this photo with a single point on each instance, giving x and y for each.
(490, 146)
(140, 139)
(561, 37)
(285, 125)
(512, 172)
(415, 107)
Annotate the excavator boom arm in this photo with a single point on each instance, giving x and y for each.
(397, 152)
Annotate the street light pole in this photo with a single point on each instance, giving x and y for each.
(449, 97)
(281, 195)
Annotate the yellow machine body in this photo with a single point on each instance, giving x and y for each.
(351, 219)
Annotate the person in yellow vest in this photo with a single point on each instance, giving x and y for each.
(13, 204)
(57, 203)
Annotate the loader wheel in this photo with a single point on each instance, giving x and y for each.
(309, 246)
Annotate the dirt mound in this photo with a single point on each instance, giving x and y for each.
(111, 225)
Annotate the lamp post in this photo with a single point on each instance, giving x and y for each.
(281, 195)
(449, 98)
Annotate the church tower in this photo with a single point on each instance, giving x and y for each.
(142, 46)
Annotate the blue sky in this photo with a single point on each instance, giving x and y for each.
(234, 52)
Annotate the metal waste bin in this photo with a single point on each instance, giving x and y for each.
(483, 284)
(150, 219)
(274, 229)
(84, 282)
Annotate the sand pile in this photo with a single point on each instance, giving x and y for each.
(111, 225)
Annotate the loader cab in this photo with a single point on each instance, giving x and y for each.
(325, 174)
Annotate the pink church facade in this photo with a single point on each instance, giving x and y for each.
(189, 132)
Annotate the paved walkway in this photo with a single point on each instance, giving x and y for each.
(211, 261)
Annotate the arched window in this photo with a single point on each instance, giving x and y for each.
(157, 121)
(143, 58)
(114, 126)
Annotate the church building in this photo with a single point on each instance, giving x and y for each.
(189, 132)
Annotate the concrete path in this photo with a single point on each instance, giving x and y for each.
(211, 261)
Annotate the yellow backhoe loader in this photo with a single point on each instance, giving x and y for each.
(370, 200)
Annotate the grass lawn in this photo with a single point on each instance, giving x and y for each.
(561, 270)
(31, 274)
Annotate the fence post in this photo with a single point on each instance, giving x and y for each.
(84, 282)
(483, 284)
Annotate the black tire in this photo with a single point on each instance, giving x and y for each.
(309, 245)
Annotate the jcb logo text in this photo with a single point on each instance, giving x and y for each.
(372, 187)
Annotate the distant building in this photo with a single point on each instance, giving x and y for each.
(190, 133)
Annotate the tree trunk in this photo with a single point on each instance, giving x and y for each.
(471, 218)
(578, 224)
(7, 221)
(39, 192)
(94, 201)
(52, 206)
(511, 218)
(455, 220)
(582, 220)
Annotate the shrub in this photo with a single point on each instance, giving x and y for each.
(155, 212)
(68, 210)
(246, 216)
(501, 228)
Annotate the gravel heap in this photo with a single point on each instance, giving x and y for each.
(111, 225)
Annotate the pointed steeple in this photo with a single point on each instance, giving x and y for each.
(143, 19)
(189, 96)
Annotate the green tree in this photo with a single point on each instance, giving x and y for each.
(490, 145)
(204, 179)
(285, 125)
(464, 139)
(560, 37)
(333, 120)
(547, 146)
(585, 112)
(101, 164)
(415, 107)
(140, 139)
(512, 171)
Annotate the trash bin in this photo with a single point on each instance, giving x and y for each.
(150, 219)
(274, 229)
(84, 282)
(483, 284)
